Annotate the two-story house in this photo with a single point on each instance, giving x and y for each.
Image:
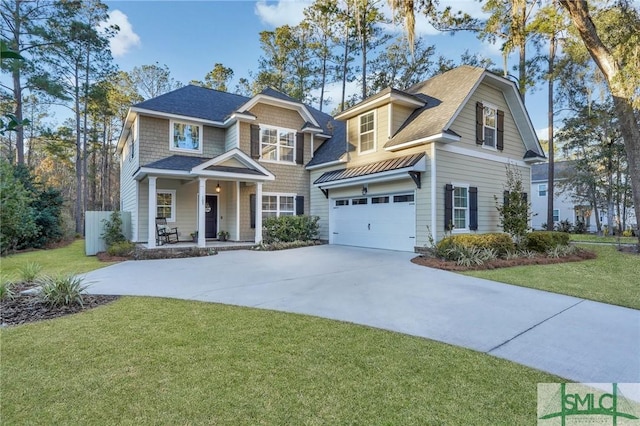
(209, 161)
(384, 173)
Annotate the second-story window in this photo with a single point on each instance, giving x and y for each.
(277, 144)
(489, 126)
(185, 137)
(366, 133)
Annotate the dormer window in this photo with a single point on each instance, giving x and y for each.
(185, 137)
(367, 140)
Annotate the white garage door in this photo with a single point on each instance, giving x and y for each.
(380, 221)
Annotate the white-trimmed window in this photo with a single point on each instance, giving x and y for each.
(166, 204)
(366, 133)
(490, 126)
(542, 190)
(276, 205)
(185, 137)
(460, 208)
(277, 144)
(556, 215)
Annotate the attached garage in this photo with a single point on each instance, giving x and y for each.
(380, 221)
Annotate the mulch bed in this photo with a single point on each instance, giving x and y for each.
(26, 308)
(447, 265)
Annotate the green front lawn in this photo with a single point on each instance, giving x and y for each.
(591, 238)
(159, 361)
(610, 278)
(64, 260)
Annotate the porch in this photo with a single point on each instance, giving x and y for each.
(212, 244)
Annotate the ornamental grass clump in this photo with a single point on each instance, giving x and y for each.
(30, 272)
(62, 290)
(6, 289)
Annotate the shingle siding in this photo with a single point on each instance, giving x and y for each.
(154, 137)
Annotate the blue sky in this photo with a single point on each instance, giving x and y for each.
(191, 36)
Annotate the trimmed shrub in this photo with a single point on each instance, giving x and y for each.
(62, 290)
(287, 229)
(499, 242)
(113, 230)
(121, 249)
(543, 241)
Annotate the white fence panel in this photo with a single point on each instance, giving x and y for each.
(94, 227)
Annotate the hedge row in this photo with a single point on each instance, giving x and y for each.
(538, 241)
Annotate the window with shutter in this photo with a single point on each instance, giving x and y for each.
(460, 207)
(277, 144)
(276, 205)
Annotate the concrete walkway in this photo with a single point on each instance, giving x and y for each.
(576, 339)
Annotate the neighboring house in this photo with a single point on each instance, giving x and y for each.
(423, 161)
(389, 172)
(211, 161)
(564, 205)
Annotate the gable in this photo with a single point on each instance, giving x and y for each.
(231, 162)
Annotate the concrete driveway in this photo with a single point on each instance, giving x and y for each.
(576, 339)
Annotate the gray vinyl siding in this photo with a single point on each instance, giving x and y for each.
(465, 124)
(231, 137)
(319, 203)
(488, 176)
(128, 185)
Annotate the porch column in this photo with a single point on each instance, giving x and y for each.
(258, 212)
(152, 213)
(202, 192)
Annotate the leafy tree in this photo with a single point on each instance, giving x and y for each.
(397, 67)
(153, 80)
(16, 214)
(515, 210)
(218, 78)
(617, 55)
(80, 55)
(322, 20)
(22, 27)
(592, 140)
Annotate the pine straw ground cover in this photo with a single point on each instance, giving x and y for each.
(449, 265)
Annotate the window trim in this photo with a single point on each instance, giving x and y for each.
(540, 190)
(467, 210)
(172, 192)
(278, 195)
(374, 131)
(278, 130)
(190, 123)
(495, 126)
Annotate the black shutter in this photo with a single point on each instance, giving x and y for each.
(479, 123)
(299, 205)
(252, 209)
(473, 208)
(448, 206)
(255, 141)
(505, 198)
(525, 197)
(300, 148)
(500, 140)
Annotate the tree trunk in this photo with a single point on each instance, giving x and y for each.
(79, 203)
(550, 189)
(579, 12)
(17, 87)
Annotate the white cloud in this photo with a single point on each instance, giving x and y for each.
(126, 38)
(282, 12)
(333, 92)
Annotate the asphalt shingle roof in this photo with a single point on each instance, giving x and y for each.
(443, 95)
(197, 102)
(177, 162)
(561, 170)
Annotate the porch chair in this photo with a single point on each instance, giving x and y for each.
(164, 233)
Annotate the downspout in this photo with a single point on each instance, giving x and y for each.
(434, 221)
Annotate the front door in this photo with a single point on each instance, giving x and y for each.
(211, 216)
